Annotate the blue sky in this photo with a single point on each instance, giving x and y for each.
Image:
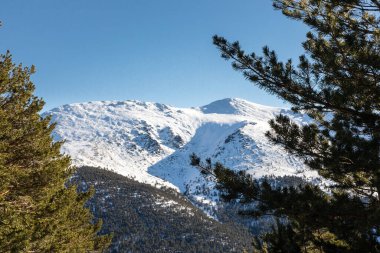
(146, 50)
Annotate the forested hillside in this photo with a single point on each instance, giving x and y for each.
(143, 218)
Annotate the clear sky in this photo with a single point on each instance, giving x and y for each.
(149, 50)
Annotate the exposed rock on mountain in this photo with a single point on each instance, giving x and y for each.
(152, 142)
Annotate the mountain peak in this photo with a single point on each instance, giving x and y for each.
(151, 142)
(236, 106)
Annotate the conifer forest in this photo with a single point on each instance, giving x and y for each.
(293, 167)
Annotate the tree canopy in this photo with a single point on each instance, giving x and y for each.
(337, 83)
(39, 210)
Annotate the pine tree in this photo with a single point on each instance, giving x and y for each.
(39, 210)
(337, 83)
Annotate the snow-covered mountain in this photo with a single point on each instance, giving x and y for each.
(152, 142)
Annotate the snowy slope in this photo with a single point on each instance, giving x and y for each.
(152, 142)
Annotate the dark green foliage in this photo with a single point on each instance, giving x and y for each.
(315, 220)
(337, 83)
(140, 221)
(283, 240)
(37, 212)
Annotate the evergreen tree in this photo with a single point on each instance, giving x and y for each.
(337, 83)
(39, 211)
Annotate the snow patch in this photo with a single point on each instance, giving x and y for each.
(152, 142)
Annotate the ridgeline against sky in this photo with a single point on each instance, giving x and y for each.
(146, 50)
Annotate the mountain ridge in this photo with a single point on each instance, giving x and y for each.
(151, 142)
